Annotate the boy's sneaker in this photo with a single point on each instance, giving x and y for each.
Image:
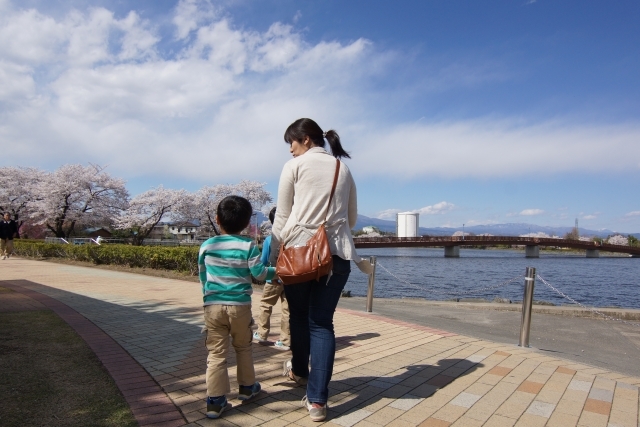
(317, 412)
(279, 345)
(215, 406)
(287, 372)
(258, 338)
(248, 391)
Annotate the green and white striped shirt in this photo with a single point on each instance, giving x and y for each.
(226, 264)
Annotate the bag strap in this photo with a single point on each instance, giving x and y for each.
(333, 189)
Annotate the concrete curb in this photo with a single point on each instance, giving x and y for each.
(617, 313)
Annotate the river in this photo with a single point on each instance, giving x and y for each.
(608, 281)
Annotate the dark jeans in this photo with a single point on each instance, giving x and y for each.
(311, 308)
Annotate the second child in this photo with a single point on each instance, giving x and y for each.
(271, 293)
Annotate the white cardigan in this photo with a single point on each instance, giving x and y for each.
(303, 194)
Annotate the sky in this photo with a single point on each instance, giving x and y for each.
(512, 111)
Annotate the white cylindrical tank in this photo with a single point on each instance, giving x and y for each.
(407, 224)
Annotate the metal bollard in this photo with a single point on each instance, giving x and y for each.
(527, 303)
(372, 281)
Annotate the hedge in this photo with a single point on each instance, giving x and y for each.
(182, 259)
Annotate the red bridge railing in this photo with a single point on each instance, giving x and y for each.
(437, 241)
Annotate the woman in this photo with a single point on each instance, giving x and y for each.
(303, 195)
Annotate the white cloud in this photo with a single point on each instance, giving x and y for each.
(531, 212)
(633, 213)
(28, 37)
(189, 14)
(108, 97)
(491, 148)
(437, 209)
(388, 214)
(138, 41)
(16, 83)
(100, 91)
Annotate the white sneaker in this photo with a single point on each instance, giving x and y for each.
(287, 372)
(4, 257)
(317, 412)
(279, 345)
(258, 338)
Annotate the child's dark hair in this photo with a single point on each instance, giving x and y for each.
(234, 214)
(272, 214)
(307, 127)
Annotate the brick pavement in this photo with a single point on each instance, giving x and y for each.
(387, 372)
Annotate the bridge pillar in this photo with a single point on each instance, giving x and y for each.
(593, 253)
(452, 251)
(532, 251)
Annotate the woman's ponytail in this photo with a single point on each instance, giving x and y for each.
(336, 147)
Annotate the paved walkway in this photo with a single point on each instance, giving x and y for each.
(387, 372)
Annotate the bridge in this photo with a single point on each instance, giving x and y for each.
(532, 245)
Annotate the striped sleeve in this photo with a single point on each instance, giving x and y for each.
(202, 269)
(257, 268)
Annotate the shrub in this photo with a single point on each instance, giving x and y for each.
(182, 259)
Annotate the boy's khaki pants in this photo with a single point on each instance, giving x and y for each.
(224, 322)
(270, 295)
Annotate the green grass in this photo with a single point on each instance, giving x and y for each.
(50, 377)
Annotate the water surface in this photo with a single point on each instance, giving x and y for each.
(600, 282)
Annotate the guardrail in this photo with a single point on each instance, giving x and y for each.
(527, 300)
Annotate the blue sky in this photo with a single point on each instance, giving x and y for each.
(468, 112)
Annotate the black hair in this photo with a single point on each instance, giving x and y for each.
(307, 127)
(272, 214)
(234, 214)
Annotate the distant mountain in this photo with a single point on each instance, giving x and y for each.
(512, 229)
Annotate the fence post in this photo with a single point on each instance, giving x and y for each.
(372, 281)
(527, 303)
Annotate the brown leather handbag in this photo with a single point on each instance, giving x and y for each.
(299, 264)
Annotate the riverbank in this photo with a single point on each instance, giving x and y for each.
(471, 303)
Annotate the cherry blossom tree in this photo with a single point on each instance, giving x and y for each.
(76, 195)
(204, 204)
(254, 192)
(257, 196)
(618, 240)
(146, 210)
(18, 188)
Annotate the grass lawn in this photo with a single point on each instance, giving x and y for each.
(50, 377)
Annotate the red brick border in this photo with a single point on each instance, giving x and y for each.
(149, 404)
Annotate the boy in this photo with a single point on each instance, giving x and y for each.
(226, 263)
(271, 293)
